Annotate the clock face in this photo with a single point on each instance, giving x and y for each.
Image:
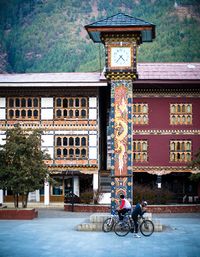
(120, 57)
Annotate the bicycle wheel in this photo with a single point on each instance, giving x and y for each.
(122, 228)
(108, 224)
(147, 227)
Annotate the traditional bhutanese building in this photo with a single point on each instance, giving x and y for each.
(73, 110)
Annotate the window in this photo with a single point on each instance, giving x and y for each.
(140, 113)
(58, 143)
(58, 102)
(65, 141)
(23, 108)
(180, 150)
(23, 102)
(71, 108)
(140, 148)
(58, 113)
(58, 187)
(65, 103)
(71, 147)
(180, 114)
(35, 102)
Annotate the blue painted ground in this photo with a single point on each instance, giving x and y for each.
(53, 234)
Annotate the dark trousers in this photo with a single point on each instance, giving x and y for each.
(122, 212)
(135, 220)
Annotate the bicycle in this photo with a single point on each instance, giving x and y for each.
(122, 228)
(109, 223)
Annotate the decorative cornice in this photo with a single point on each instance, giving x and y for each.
(109, 38)
(121, 75)
(166, 132)
(144, 92)
(69, 169)
(50, 126)
(163, 170)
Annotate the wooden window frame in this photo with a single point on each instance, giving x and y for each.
(139, 151)
(179, 149)
(180, 115)
(21, 106)
(140, 117)
(71, 108)
(71, 147)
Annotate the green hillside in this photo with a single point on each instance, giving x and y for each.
(49, 35)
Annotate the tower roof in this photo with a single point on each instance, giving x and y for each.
(121, 23)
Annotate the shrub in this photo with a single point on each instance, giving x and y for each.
(91, 196)
(152, 195)
(86, 197)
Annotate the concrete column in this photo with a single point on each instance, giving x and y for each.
(37, 196)
(76, 186)
(46, 193)
(95, 182)
(1, 196)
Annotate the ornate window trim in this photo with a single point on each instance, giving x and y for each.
(180, 151)
(71, 147)
(140, 114)
(23, 108)
(181, 114)
(71, 108)
(140, 150)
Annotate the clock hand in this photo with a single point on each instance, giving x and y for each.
(120, 57)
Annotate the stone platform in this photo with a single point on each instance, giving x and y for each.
(96, 220)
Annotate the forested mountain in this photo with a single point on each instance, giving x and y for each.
(49, 35)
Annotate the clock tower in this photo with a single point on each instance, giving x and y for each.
(121, 35)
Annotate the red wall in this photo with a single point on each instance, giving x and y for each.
(159, 113)
(159, 119)
(158, 148)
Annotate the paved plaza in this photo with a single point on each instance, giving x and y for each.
(53, 234)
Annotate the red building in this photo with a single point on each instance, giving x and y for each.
(74, 111)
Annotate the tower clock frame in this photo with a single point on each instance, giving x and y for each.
(121, 34)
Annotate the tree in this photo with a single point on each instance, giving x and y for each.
(195, 164)
(22, 167)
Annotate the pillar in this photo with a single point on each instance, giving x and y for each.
(37, 197)
(1, 197)
(46, 193)
(121, 141)
(76, 186)
(95, 182)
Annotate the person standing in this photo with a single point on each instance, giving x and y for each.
(139, 209)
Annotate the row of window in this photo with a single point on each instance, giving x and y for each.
(181, 119)
(24, 114)
(65, 102)
(71, 113)
(28, 108)
(180, 151)
(75, 102)
(21, 102)
(71, 141)
(71, 153)
(76, 147)
(181, 108)
(73, 107)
